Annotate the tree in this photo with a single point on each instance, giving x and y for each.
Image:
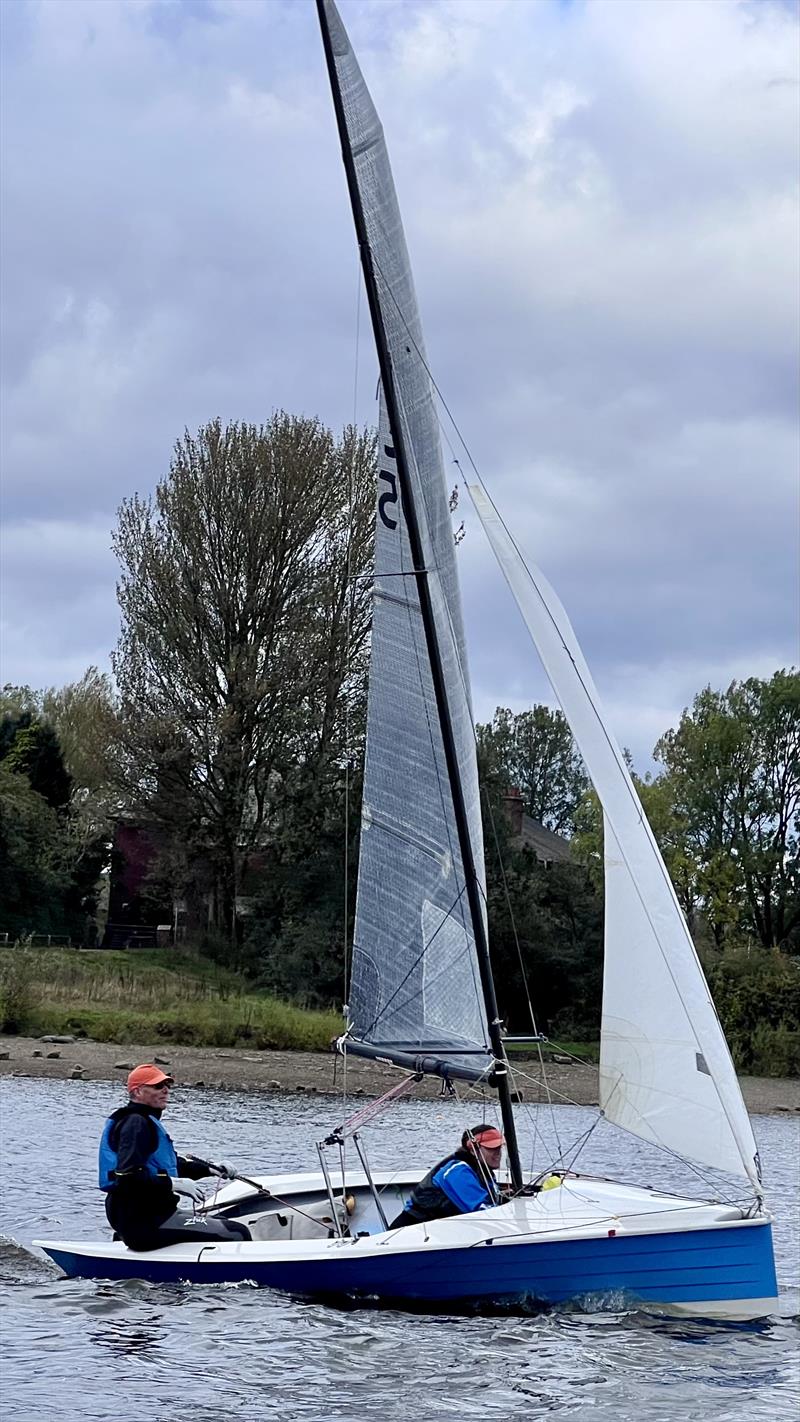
(56, 888)
(668, 825)
(32, 750)
(48, 868)
(535, 752)
(84, 717)
(34, 864)
(295, 941)
(545, 930)
(245, 618)
(757, 995)
(546, 934)
(734, 770)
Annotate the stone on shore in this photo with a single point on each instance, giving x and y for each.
(55, 1037)
(53, 1056)
(123, 1066)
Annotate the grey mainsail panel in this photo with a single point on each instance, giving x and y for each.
(415, 985)
(415, 981)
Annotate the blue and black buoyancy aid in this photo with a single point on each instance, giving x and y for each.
(428, 1201)
(161, 1161)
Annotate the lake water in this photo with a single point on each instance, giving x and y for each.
(133, 1352)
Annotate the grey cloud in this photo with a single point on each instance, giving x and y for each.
(601, 214)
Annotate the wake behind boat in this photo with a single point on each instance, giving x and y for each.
(422, 995)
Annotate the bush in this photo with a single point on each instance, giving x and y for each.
(775, 1051)
(757, 995)
(17, 995)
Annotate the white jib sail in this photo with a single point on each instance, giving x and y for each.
(665, 1070)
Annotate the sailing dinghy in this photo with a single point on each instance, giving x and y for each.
(421, 993)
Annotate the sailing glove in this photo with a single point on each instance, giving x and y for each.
(189, 1189)
(225, 1169)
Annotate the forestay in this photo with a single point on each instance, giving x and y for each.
(665, 1070)
(415, 985)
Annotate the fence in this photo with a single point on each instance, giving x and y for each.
(36, 940)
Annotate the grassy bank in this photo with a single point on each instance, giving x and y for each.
(164, 996)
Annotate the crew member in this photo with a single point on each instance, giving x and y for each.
(459, 1184)
(143, 1178)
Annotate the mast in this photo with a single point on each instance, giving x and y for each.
(500, 1077)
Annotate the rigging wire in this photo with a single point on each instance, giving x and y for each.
(358, 341)
(567, 1100)
(414, 995)
(524, 974)
(348, 633)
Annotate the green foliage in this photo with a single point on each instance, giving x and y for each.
(757, 995)
(49, 865)
(545, 930)
(84, 718)
(35, 878)
(128, 997)
(733, 769)
(295, 943)
(35, 753)
(17, 993)
(545, 921)
(557, 921)
(534, 752)
(261, 1023)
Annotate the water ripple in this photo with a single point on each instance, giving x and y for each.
(94, 1352)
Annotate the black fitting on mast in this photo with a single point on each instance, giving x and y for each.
(500, 1073)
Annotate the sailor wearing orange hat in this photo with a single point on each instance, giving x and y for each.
(459, 1184)
(143, 1178)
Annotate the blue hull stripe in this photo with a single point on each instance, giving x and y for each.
(659, 1268)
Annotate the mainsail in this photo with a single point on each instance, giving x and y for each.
(416, 989)
(665, 1070)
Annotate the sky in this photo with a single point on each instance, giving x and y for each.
(600, 201)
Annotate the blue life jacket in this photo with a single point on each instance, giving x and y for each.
(430, 1201)
(162, 1159)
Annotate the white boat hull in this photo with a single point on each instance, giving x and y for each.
(588, 1243)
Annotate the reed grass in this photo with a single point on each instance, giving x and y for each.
(155, 997)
